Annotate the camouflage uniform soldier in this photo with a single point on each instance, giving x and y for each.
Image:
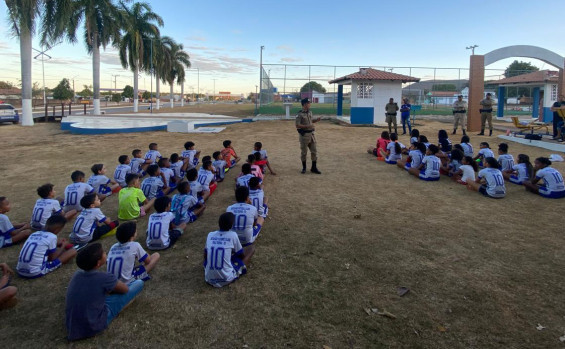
(459, 114)
(391, 108)
(486, 115)
(305, 127)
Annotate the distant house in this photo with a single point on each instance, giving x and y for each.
(442, 97)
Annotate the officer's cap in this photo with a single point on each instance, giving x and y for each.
(305, 100)
(460, 96)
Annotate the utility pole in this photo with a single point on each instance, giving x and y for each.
(214, 95)
(115, 85)
(472, 48)
(43, 55)
(261, 74)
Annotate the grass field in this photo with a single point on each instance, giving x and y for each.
(482, 273)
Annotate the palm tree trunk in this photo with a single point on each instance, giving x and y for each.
(135, 90)
(96, 75)
(25, 54)
(157, 92)
(171, 97)
(182, 94)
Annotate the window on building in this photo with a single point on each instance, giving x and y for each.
(365, 90)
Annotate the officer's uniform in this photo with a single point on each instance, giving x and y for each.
(306, 137)
(459, 115)
(391, 109)
(486, 114)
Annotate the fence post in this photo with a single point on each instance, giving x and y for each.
(53, 113)
(84, 109)
(71, 103)
(46, 111)
(62, 110)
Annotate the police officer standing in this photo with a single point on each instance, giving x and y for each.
(391, 108)
(486, 115)
(459, 114)
(305, 127)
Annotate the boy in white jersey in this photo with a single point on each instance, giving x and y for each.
(505, 160)
(91, 224)
(224, 257)
(258, 147)
(257, 197)
(206, 179)
(186, 208)
(47, 206)
(220, 165)
(429, 168)
(153, 155)
(190, 155)
(40, 254)
(484, 153)
(178, 166)
(490, 181)
(553, 186)
(244, 177)
(74, 192)
(154, 186)
(103, 186)
(122, 170)
(195, 187)
(467, 146)
(521, 172)
(11, 233)
(247, 220)
(137, 163)
(162, 231)
(415, 156)
(123, 255)
(168, 174)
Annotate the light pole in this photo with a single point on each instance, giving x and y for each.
(472, 48)
(115, 76)
(43, 55)
(74, 91)
(214, 95)
(261, 73)
(255, 100)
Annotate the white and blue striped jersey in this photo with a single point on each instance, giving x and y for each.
(135, 165)
(35, 253)
(494, 182)
(220, 166)
(218, 268)
(257, 197)
(243, 181)
(152, 155)
(432, 165)
(245, 216)
(152, 187)
(74, 193)
(190, 155)
(506, 161)
(467, 149)
(122, 257)
(205, 177)
(552, 179)
(99, 183)
(85, 224)
(120, 174)
(181, 206)
(44, 208)
(158, 230)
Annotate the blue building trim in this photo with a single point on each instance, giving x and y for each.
(339, 100)
(362, 115)
(501, 98)
(535, 111)
(100, 131)
(547, 114)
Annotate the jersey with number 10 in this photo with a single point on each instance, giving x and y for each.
(158, 230)
(74, 193)
(152, 187)
(506, 161)
(121, 259)
(257, 199)
(135, 165)
(552, 179)
(153, 156)
(35, 253)
(243, 181)
(495, 182)
(85, 224)
(218, 268)
(120, 174)
(245, 216)
(205, 177)
(432, 164)
(43, 209)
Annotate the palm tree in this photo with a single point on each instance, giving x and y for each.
(22, 15)
(178, 59)
(101, 27)
(139, 29)
(161, 60)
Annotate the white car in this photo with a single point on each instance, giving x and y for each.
(8, 113)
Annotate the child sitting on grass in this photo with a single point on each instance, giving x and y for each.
(132, 203)
(95, 298)
(258, 148)
(178, 166)
(162, 231)
(42, 253)
(46, 207)
(7, 293)
(186, 207)
(122, 170)
(154, 186)
(11, 234)
(91, 224)
(257, 197)
(229, 154)
(244, 177)
(137, 162)
(153, 155)
(190, 155)
(490, 181)
(248, 223)
(382, 143)
(206, 179)
(103, 186)
(123, 255)
(75, 192)
(220, 165)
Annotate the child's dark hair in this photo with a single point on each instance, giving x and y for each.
(88, 257)
(246, 169)
(77, 175)
(206, 158)
(485, 144)
(136, 152)
(226, 143)
(458, 146)
(415, 133)
(254, 183)
(434, 149)
(55, 221)
(385, 135)
(125, 231)
(192, 174)
(161, 203)
(226, 221)
(44, 190)
(442, 134)
(544, 161)
(188, 145)
(130, 177)
(152, 146)
(122, 159)
(470, 161)
(492, 162)
(258, 145)
(251, 158)
(2, 198)
(216, 154)
(174, 157)
(88, 200)
(152, 169)
(206, 164)
(162, 161)
(522, 159)
(394, 138)
(421, 147)
(257, 156)
(96, 168)
(465, 139)
(503, 147)
(183, 187)
(241, 194)
(423, 139)
(457, 154)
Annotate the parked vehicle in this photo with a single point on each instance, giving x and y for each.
(8, 113)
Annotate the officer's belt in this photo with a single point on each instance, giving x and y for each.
(485, 110)
(459, 111)
(391, 114)
(302, 132)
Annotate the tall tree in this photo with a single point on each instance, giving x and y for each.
(312, 86)
(161, 60)
(140, 25)
(63, 91)
(101, 27)
(22, 15)
(177, 59)
(518, 68)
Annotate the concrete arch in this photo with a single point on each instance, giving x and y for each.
(542, 54)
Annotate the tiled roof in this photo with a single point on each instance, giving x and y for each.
(374, 74)
(537, 76)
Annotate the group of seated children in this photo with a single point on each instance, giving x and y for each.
(95, 298)
(428, 161)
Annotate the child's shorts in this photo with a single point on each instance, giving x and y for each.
(265, 211)
(105, 190)
(546, 193)
(515, 180)
(407, 166)
(47, 268)
(390, 161)
(232, 163)
(375, 152)
(483, 190)
(174, 235)
(6, 241)
(424, 177)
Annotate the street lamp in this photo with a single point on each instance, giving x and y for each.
(43, 55)
(214, 95)
(261, 73)
(472, 48)
(255, 100)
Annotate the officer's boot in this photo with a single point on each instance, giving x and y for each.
(482, 132)
(464, 133)
(490, 132)
(454, 131)
(389, 129)
(396, 131)
(303, 167)
(314, 169)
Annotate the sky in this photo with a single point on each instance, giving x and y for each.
(223, 39)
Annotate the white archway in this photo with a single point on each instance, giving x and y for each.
(542, 54)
